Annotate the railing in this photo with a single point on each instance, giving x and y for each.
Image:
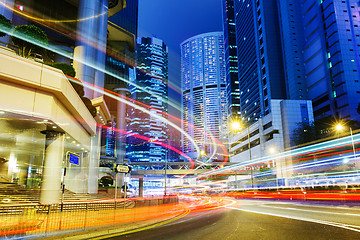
(50, 220)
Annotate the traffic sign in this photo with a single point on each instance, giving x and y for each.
(73, 158)
(122, 168)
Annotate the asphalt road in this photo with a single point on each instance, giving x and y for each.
(253, 219)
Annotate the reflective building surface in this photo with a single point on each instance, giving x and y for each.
(204, 102)
(232, 80)
(152, 75)
(321, 47)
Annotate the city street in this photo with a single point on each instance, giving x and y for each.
(253, 219)
(177, 120)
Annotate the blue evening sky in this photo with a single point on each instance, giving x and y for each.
(174, 21)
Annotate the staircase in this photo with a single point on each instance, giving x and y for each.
(11, 193)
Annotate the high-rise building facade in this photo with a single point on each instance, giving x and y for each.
(204, 101)
(232, 81)
(261, 75)
(120, 67)
(321, 42)
(270, 106)
(151, 75)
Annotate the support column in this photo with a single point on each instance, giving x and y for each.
(141, 187)
(121, 125)
(94, 161)
(86, 40)
(5, 8)
(53, 164)
(101, 47)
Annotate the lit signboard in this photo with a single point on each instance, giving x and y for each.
(74, 159)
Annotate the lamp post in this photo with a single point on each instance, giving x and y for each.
(166, 154)
(279, 165)
(249, 146)
(340, 127)
(236, 126)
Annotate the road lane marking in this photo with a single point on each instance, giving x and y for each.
(323, 206)
(334, 224)
(305, 210)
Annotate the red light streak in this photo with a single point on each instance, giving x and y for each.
(167, 114)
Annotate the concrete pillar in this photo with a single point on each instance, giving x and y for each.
(121, 125)
(101, 47)
(141, 187)
(84, 174)
(86, 41)
(5, 8)
(12, 164)
(53, 164)
(94, 161)
(121, 138)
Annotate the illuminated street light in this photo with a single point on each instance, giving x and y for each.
(339, 127)
(272, 150)
(235, 126)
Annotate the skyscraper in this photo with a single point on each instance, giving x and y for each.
(232, 81)
(120, 65)
(261, 75)
(152, 75)
(270, 106)
(204, 101)
(321, 52)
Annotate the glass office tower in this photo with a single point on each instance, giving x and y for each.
(324, 37)
(204, 101)
(232, 81)
(260, 65)
(152, 75)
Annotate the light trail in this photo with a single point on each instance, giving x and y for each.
(155, 142)
(100, 221)
(332, 144)
(127, 99)
(112, 95)
(50, 20)
(98, 89)
(121, 98)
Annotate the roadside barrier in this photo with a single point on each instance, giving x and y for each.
(47, 220)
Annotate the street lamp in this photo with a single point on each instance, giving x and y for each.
(339, 127)
(236, 126)
(166, 160)
(279, 165)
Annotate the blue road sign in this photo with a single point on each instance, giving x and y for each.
(74, 159)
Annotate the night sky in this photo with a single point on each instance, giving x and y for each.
(174, 21)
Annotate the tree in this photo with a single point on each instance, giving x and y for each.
(70, 71)
(319, 129)
(66, 68)
(5, 24)
(106, 181)
(34, 37)
(79, 88)
(305, 132)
